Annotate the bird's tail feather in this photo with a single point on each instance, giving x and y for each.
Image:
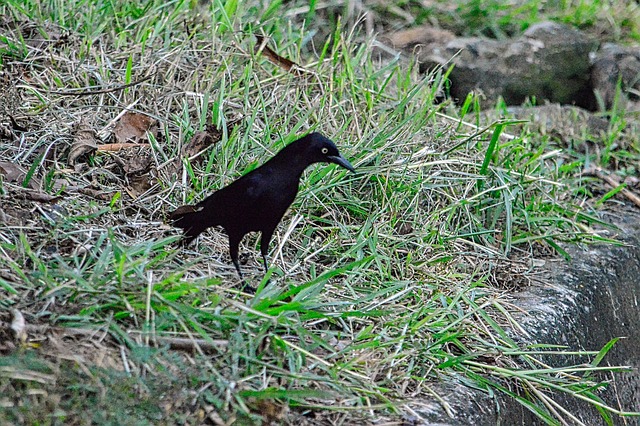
(191, 220)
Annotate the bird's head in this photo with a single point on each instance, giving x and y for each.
(321, 149)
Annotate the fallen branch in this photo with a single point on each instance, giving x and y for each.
(615, 183)
(114, 147)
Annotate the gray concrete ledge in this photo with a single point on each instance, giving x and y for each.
(591, 299)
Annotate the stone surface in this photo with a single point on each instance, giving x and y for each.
(615, 63)
(592, 299)
(549, 61)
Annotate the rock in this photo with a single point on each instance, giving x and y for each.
(613, 63)
(550, 61)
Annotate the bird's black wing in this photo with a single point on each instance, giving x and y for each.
(257, 200)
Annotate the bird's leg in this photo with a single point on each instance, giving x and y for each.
(264, 247)
(237, 265)
(234, 243)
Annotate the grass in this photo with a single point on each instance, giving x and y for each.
(379, 287)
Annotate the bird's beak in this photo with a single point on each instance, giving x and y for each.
(341, 161)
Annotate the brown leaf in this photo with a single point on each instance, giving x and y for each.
(136, 161)
(84, 142)
(96, 193)
(276, 59)
(133, 127)
(12, 172)
(138, 185)
(201, 140)
(39, 196)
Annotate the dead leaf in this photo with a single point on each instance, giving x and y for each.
(200, 141)
(133, 127)
(12, 172)
(38, 196)
(138, 185)
(271, 410)
(84, 142)
(136, 161)
(96, 193)
(276, 59)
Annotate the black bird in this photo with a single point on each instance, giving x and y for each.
(258, 200)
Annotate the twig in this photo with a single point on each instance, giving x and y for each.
(84, 92)
(284, 63)
(615, 183)
(113, 147)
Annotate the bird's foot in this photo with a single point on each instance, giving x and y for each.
(245, 287)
